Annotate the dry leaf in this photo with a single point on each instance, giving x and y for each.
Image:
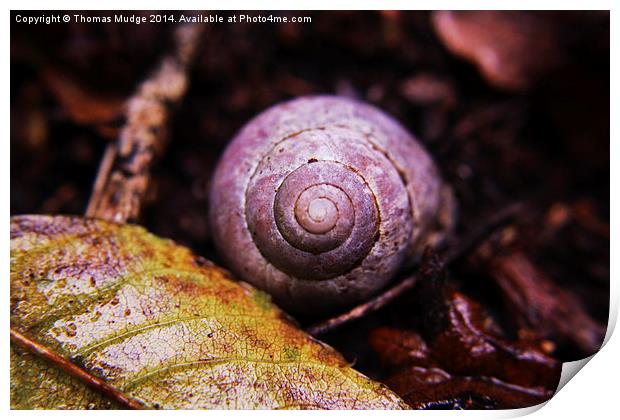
(542, 307)
(433, 388)
(82, 106)
(163, 327)
(511, 49)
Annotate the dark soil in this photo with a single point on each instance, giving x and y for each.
(545, 144)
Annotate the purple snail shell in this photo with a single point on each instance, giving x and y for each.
(321, 200)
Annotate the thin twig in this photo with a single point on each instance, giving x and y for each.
(454, 253)
(124, 173)
(72, 369)
(365, 308)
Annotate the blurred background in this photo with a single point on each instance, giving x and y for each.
(514, 106)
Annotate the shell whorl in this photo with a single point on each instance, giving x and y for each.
(326, 219)
(320, 200)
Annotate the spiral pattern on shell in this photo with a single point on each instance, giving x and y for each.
(320, 200)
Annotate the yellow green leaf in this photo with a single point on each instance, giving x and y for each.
(162, 326)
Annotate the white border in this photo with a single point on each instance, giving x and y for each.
(592, 394)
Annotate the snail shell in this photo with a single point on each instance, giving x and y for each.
(320, 200)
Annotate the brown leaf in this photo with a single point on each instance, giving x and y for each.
(433, 388)
(83, 106)
(511, 49)
(540, 305)
(460, 360)
(467, 347)
(399, 347)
